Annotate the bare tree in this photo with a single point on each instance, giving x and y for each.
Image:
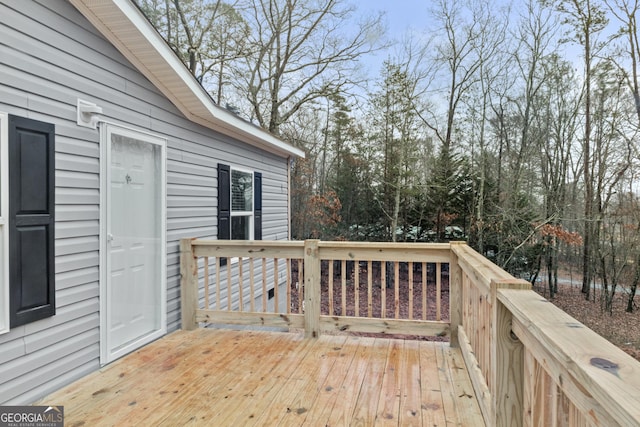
(207, 35)
(548, 111)
(586, 19)
(626, 11)
(455, 67)
(302, 50)
(558, 119)
(493, 48)
(612, 158)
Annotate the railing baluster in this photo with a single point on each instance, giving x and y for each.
(240, 285)
(424, 291)
(288, 268)
(344, 287)
(383, 289)
(410, 290)
(300, 285)
(369, 288)
(438, 290)
(330, 285)
(218, 283)
(396, 283)
(264, 285)
(275, 285)
(229, 285)
(252, 285)
(356, 286)
(206, 282)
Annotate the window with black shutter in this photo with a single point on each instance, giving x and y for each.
(31, 220)
(239, 204)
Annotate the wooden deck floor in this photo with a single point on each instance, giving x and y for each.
(241, 378)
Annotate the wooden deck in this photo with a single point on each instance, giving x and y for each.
(241, 378)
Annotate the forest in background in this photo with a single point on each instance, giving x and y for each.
(512, 126)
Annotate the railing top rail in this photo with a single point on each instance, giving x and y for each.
(364, 251)
(321, 243)
(588, 366)
(480, 269)
(385, 251)
(248, 248)
(249, 243)
(383, 245)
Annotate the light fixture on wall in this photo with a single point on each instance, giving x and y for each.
(88, 114)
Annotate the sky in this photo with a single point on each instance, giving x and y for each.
(400, 14)
(401, 17)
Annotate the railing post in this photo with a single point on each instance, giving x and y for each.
(188, 285)
(312, 288)
(455, 295)
(507, 362)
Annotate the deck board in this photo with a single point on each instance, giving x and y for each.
(230, 378)
(431, 391)
(367, 403)
(359, 351)
(389, 403)
(410, 401)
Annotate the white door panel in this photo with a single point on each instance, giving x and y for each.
(135, 251)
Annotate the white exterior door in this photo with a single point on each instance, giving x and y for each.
(134, 249)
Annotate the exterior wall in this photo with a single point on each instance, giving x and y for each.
(50, 56)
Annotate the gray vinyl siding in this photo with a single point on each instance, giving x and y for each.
(49, 57)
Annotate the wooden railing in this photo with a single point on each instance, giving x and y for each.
(529, 362)
(317, 286)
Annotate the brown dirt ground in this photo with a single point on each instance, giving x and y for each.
(620, 328)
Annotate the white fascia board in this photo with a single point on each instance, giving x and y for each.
(124, 25)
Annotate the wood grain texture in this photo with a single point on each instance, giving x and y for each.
(230, 378)
(480, 386)
(312, 287)
(188, 285)
(426, 328)
(599, 379)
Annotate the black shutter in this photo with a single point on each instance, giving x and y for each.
(257, 206)
(31, 220)
(224, 204)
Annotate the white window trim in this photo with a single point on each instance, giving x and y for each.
(251, 214)
(4, 223)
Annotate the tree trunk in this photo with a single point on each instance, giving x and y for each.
(588, 184)
(634, 286)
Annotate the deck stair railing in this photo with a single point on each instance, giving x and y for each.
(530, 363)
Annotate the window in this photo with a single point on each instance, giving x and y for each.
(239, 204)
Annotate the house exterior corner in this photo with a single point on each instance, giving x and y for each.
(140, 155)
